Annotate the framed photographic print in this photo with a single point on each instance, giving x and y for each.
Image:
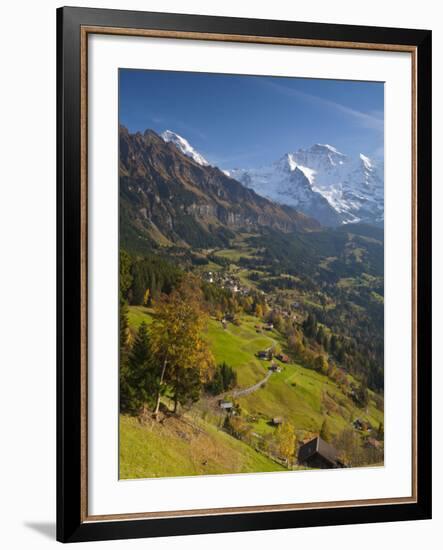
(244, 271)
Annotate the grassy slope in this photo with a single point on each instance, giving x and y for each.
(238, 346)
(176, 448)
(138, 314)
(295, 394)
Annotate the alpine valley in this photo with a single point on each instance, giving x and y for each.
(251, 310)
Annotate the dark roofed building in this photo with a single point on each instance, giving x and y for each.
(319, 454)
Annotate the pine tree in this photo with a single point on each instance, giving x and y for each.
(138, 375)
(333, 344)
(320, 335)
(123, 356)
(362, 394)
(125, 276)
(187, 386)
(326, 342)
(380, 431)
(310, 326)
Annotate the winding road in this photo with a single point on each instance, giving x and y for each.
(251, 389)
(246, 391)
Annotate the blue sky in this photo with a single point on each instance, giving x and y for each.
(250, 121)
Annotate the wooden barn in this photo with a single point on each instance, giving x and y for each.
(319, 454)
(226, 405)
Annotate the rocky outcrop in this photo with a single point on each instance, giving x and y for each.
(168, 196)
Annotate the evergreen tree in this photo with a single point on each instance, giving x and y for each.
(333, 344)
(320, 335)
(380, 431)
(362, 394)
(187, 386)
(139, 377)
(326, 342)
(223, 379)
(310, 326)
(228, 376)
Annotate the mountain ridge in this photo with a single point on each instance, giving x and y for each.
(320, 181)
(352, 187)
(167, 197)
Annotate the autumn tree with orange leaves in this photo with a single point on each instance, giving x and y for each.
(178, 345)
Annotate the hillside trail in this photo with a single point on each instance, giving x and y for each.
(245, 391)
(250, 389)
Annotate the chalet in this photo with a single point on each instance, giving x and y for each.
(283, 358)
(319, 454)
(226, 405)
(268, 326)
(274, 368)
(266, 354)
(277, 420)
(359, 424)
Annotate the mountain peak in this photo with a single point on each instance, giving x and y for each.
(325, 148)
(367, 163)
(323, 183)
(184, 147)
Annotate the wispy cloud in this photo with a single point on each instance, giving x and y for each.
(177, 125)
(192, 131)
(230, 161)
(372, 120)
(157, 119)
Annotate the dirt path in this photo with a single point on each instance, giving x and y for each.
(246, 391)
(251, 389)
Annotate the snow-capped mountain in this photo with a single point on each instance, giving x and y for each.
(320, 182)
(184, 147)
(323, 183)
(287, 183)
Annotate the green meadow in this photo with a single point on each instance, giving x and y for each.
(195, 443)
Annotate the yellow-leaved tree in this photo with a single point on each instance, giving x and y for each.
(146, 297)
(285, 439)
(177, 342)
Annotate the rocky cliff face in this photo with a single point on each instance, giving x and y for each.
(169, 198)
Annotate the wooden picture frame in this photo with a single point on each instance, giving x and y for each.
(74, 523)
